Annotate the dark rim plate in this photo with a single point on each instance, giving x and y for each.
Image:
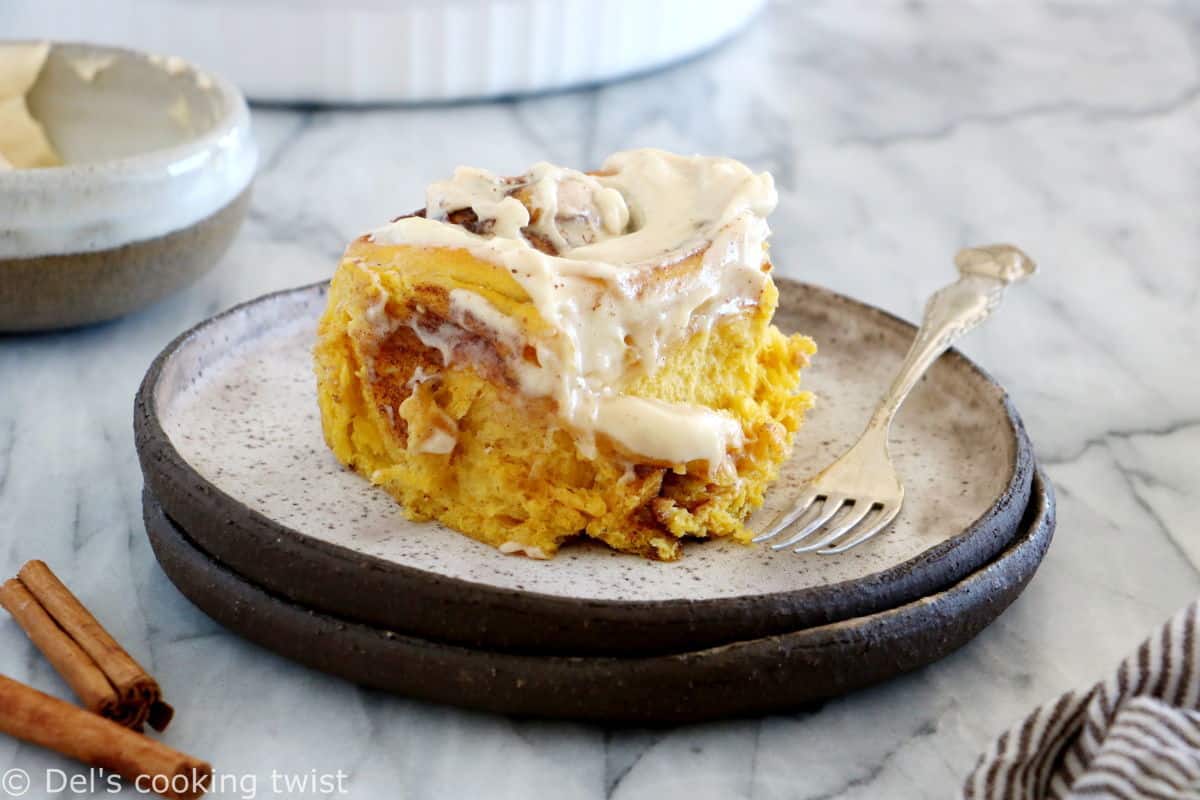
(357, 585)
(774, 673)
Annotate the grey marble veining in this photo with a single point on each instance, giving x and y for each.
(898, 132)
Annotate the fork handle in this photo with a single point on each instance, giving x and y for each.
(984, 272)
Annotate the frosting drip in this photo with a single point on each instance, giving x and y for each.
(595, 252)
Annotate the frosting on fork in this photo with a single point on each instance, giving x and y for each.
(594, 253)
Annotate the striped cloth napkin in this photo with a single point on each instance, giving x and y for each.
(1133, 736)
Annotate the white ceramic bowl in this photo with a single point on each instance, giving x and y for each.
(158, 159)
(372, 51)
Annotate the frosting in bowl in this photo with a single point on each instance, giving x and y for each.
(145, 152)
(23, 141)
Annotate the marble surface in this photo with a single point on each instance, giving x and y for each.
(897, 132)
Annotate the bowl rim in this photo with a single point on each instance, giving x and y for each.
(232, 120)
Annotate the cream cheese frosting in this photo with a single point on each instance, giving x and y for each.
(23, 140)
(90, 66)
(584, 247)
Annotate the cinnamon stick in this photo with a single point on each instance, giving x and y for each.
(76, 667)
(137, 691)
(160, 715)
(40, 719)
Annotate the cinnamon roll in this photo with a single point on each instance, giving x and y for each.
(560, 354)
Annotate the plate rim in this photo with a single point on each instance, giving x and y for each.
(519, 619)
(781, 672)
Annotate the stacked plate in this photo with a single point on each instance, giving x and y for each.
(254, 520)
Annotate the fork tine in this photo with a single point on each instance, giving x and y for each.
(828, 509)
(887, 514)
(786, 518)
(857, 513)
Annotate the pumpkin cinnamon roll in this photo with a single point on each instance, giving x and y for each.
(562, 354)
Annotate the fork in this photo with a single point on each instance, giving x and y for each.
(863, 484)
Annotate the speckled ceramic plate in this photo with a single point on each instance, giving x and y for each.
(773, 673)
(230, 444)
